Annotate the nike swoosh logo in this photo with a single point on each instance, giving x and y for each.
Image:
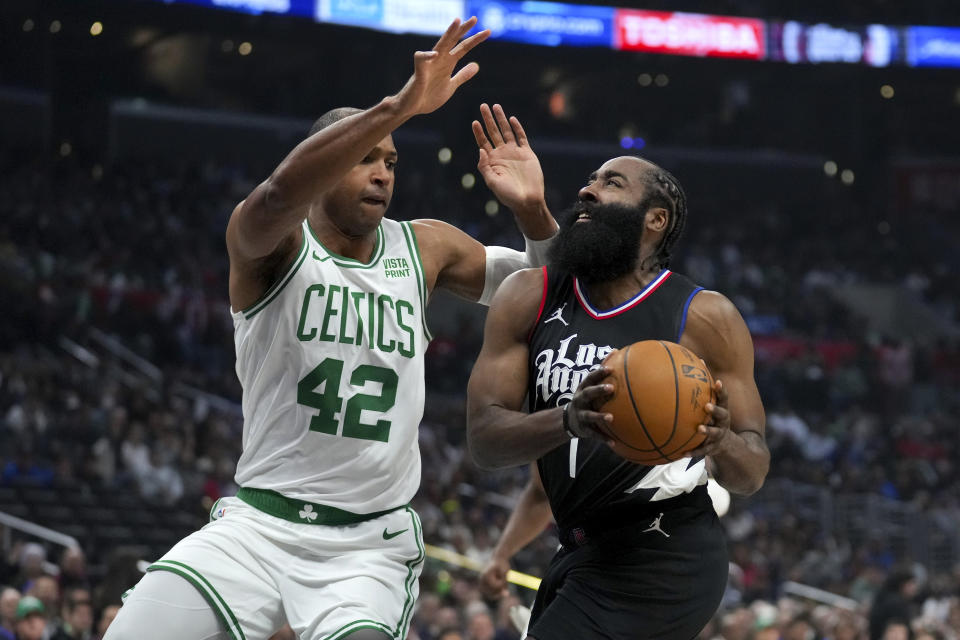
(323, 259)
(390, 536)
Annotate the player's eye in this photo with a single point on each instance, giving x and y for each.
(613, 182)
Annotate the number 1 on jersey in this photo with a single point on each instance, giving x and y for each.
(329, 402)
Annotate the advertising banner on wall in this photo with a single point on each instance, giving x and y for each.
(545, 23)
(876, 45)
(690, 34)
(933, 46)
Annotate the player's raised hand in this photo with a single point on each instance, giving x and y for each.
(507, 163)
(433, 80)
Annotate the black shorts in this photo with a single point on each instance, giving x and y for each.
(631, 584)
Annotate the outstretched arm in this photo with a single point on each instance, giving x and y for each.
(267, 219)
(455, 261)
(735, 440)
(529, 518)
(499, 434)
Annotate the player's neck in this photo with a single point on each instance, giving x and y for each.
(613, 293)
(335, 240)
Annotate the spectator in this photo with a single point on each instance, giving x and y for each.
(77, 616)
(107, 614)
(31, 620)
(894, 602)
(9, 598)
(46, 590)
(73, 568)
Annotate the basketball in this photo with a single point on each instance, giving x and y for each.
(660, 393)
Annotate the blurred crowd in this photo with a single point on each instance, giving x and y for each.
(95, 261)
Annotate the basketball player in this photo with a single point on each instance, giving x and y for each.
(643, 553)
(328, 300)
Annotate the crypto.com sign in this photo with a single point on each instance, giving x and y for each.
(690, 34)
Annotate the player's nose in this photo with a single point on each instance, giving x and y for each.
(586, 194)
(380, 175)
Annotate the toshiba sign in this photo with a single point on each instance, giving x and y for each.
(690, 34)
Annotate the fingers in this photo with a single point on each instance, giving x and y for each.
(465, 46)
(502, 123)
(721, 392)
(481, 137)
(493, 131)
(465, 74)
(595, 394)
(455, 32)
(451, 35)
(518, 130)
(499, 128)
(594, 377)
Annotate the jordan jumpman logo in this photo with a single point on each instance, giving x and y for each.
(557, 315)
(655, 526)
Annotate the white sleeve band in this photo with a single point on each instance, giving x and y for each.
(501, 262)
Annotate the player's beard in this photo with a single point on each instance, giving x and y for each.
(602, 249)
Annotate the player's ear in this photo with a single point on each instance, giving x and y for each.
(657, 219)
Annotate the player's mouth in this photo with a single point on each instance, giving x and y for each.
(374, 201)
(583, 217)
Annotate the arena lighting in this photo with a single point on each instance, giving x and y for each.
(847, 176)
(226, 46)
(644, 79)
(245, 48)
(886, 91)
(492, 207)
(444, 155)
(468, 180)
(65, 148)
(96, 28)
(662, 80)
(830, 168)
(55, 26)
(28, 25)
(628, 142)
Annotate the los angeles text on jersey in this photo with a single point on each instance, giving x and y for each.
(560, 372)
(334, 313)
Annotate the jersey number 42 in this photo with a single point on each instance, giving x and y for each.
(329, 402)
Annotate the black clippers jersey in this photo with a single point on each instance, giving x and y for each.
(584, 479)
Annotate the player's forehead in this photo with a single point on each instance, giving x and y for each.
(385, 147)
(630, 167)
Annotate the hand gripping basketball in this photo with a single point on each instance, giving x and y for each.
(716, 431)
(580, 418)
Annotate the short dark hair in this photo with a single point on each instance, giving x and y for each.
(662, 189)
(332, 116)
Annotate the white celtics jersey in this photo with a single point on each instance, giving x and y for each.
(331, 363)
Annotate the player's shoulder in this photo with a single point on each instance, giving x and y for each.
(713, 306)
(519, 300)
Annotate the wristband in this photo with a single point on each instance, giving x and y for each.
(566, 422)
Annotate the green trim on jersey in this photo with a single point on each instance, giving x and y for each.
(414, 248)
(403, 625)
(217, 603)
(356, 625)
(350, 263)
(278, 286)
(301, 511)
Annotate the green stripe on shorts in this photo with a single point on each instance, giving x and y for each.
(218, 604)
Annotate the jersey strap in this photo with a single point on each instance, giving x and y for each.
(303, 512)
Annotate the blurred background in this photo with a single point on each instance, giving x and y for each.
(819, 145)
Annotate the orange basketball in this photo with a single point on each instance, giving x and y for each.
(660, 391)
